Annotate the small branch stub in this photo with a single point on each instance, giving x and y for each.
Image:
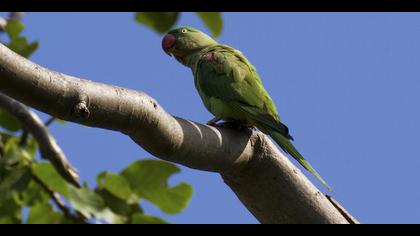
(81, 110)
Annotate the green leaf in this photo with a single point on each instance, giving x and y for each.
(86, 201)
(148, 179)
(43, 213)
(139, 218)
(33, 194)
(29, 49)
(48, 175)
(10, 212)
(31, 147)
(14, 28)
(15, 155)
(8, 121)
(18, 43)
(5, 136)
(175, 199)
(115, 184)
(60, 121)
(91, 204)
(12, 152)
(213, 21)
(161, 22)
(14, 181)
(21, 46)
(119, 206)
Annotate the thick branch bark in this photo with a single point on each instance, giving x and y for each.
(48, 147)
(266, 182)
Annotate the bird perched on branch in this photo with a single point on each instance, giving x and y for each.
(230, 87)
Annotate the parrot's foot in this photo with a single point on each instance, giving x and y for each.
(235, 125)
(213, 122)
(231, 124)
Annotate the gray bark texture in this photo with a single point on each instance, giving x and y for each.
(265, 181)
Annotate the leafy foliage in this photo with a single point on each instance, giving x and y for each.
(26, 183)
(18, 43)
(213, 20)
(44, 213)
(162, 22)
(148, 180)
(139, 218)
(8, 121)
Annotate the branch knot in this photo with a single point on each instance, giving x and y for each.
(81, 110)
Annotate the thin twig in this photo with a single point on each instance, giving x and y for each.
(48, 147)
(24, 137)
(49, 121)
(59, 203)
(1, 149)
(25, 134)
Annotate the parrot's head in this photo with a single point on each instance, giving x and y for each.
(184, 41)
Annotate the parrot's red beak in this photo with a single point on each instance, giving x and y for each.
(168, 42)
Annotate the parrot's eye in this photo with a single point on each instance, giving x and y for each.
(184, 31)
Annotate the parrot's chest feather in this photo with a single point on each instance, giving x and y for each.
(220, 108)
(211, 57)
(217, 66)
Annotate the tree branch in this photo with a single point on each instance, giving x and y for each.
(55, 197)
(266, 182)
(49, 121)
(47, 145)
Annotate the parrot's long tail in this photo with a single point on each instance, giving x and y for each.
(288, 147)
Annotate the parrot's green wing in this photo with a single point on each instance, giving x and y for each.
(265, 121)
(225, 75)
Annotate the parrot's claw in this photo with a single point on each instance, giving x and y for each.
(213, 122)
(235, 125)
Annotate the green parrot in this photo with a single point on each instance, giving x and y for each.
(230, 86)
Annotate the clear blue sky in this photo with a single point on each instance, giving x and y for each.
(346, 84)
